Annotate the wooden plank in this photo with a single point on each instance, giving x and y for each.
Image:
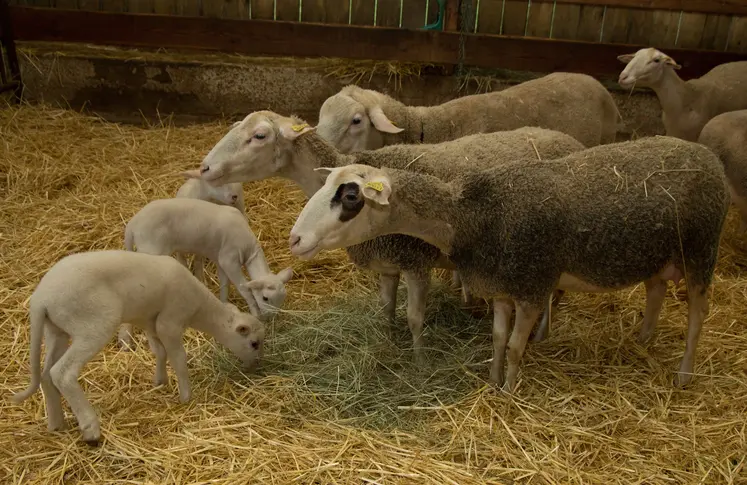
(514, 17)
(490, 17)
(565, 23)
(590, 23)
(113, 6)
(210, 8)
(703, 6)
(387, 13)
(363, 12)
(193, 8)
(141, 6)
(166, 7)
(262, 9)
(540, 17)
(738, 37)
(663, 33)
(451, 16)
(275, 38)
(715, 32)
(413, 14)
(68, 4)
(691, 30)
(288, 9)
(88, 4)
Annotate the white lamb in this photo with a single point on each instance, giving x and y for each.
(216, 232)
(86, 296)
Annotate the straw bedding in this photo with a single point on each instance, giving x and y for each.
(336, 399)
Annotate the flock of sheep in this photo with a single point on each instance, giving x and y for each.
(522, 193)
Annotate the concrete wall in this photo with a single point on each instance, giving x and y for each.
(128, 86)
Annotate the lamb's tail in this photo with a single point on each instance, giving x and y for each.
(129, 238)
(38, 314)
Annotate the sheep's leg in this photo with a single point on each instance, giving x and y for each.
(223, 282)
(182, 259)
(456, 280)
(656, 291)
(542, 330)
(388, 284)
(125, 338)
(417, 291)
(526, 317)
(65, 374)
(502, 309)
(160, 378)
(232, 270)
(56, 343)
(198, 268)
(697, 306)
(170, 336)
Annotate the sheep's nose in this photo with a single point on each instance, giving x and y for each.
(294, 240)
(204, 169)
(234, 198)
(623, 77)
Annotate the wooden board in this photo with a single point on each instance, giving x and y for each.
(540, 19)
(663, 32)
(514, 17)
(362, 12)
(413, 14)
(691, 30)
(262, 9)
(325, 11)
(715, 32)
(738, 37)
(387, 13)
(703, 6)
(490, 17)
(275, 38)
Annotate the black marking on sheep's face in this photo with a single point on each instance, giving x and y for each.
(349, 197)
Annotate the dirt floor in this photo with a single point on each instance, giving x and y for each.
(337, 399)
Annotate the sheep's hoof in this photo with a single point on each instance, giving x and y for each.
(160, 381)
(127, 345)
(53, 427)
(91, 435)
(496, 378)
(185, 397)
(681, 379)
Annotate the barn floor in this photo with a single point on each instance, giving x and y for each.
(337, 399)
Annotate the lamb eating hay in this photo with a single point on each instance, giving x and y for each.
(358, 119)
(726, 135)
(602, 219)
(686, 106)
(195, 188)
(86, 296)
(266, 144)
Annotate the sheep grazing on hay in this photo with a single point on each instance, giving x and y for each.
(598, 220)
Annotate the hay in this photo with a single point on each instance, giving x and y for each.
(337, 400)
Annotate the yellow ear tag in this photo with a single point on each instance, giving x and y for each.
(298, 128)
(377, 186)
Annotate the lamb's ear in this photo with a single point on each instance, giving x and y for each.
(381, 122)
(378, 189)
(670, 62)
(236, 124)
(286, 274)
(625, 58)
(323, 172)
(291, 131)
(252, 285)
(190, 174)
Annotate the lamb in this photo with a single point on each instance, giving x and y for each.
(220, 233)
(686, 106)
(85, 296)
(358, 119)
(266, 144)
(597, 220)
(726, 136)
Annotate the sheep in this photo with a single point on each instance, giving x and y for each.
(220, 233)
(686, 106)
(598, 220)
(85, 297)
(726, 136)
(266, 144)
(358, 119)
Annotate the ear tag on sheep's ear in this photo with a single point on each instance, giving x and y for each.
(298, 128)
(377, 186)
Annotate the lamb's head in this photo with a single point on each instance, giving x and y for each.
(244, 337)
(228, 194)
(256, 148)
(352, 207)
(352, 120)
(644, 68)
(269, 290)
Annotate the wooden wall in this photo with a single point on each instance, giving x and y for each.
(542, 18)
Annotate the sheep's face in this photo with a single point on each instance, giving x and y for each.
(269, 291)
(644, 68)
(228, 194)
(245, 338)
(254, 149)
(353, 125)
(351, 207)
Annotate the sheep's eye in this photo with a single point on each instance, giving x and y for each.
(356, 121)
(259, 136)
(657, 60)
(351, 198)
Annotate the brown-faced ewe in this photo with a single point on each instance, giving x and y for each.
(85, 297)
(686, 106)
(602, 219)
(358, 119)
(219, 233)
(726, 135)
(267, 145)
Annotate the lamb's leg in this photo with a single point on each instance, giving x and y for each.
(656, 291)
(160, 378)
(697, 306)
(388, 284)
(526, 317)
(232, 269)
(502, 309)
(124, 337)
(65, 374)
(56, 343)
(198, 268)
(170, 336)
(417, 291)
(456, 280)
(182, 259)
(543, 328)
(223, 282)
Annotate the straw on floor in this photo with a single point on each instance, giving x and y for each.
(337, 399)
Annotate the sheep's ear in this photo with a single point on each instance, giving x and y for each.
(286, 274)
(625, 58)
(378, 189)
(191, 174)
(323, 172)
(670, 62)
(252, 285)
(381, 122)
(291, 131)
(236, 124)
